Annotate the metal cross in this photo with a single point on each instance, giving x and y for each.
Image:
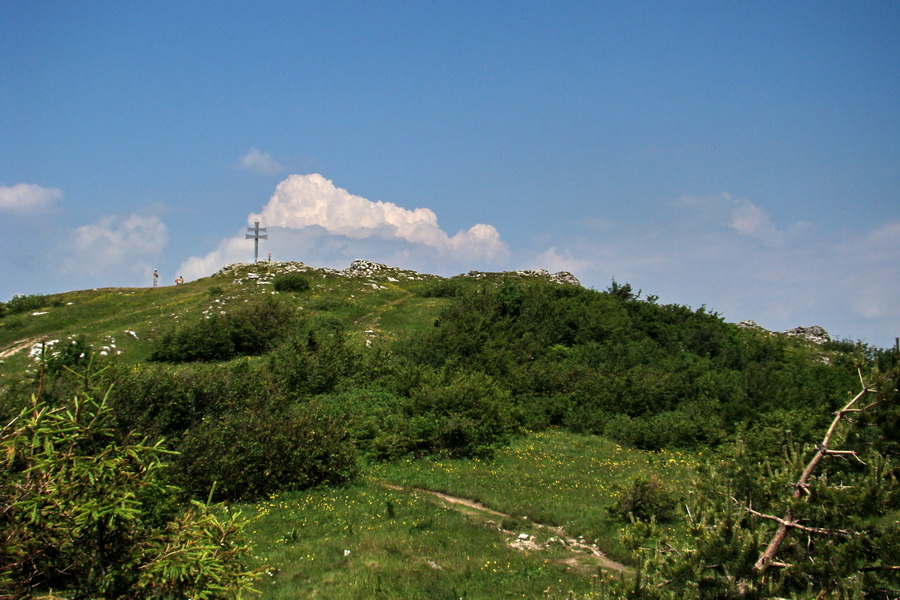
(255, 236)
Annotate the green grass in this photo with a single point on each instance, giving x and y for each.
(367, 541)
(371, 540)
(552, 477)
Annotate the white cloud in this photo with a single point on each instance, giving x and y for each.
(261, 163)
(27, 198)
(729, 255)
(739, 214)
(114, 248)
(306, 200)
(310, 219)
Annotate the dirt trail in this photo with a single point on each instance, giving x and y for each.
(375, 315)
(583, 557)
(18, 347)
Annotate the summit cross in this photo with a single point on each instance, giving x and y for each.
(256, 233)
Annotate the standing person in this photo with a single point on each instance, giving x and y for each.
(155, 278)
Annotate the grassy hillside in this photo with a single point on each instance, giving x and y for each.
(337, 407)
(103, 314)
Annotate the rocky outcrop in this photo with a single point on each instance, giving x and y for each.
(814, 334)
(365, 268)
(564, 277)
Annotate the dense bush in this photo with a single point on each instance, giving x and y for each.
(256, 452)
(19, 304)
(796, 523)
(249, 329)
(644, 498)
(290, 282)
(230, 425)
(425, 412)
(373, 417)
(167, 400)
(440, 288)
(458, 414)
(74, 355)
(314, 358)
(650, 375)
(86, 515)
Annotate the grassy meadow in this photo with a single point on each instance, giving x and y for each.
(387, 537)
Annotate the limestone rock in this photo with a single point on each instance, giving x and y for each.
(814, 334)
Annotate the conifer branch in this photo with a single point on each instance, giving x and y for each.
(787, 522)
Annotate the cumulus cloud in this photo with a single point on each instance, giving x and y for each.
(310, 219)
(261, 163)
(27, 198)
(115, 247)
(307, 200)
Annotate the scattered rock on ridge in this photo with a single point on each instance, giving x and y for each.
(562, 277)
(565, 277)
(264, 272)
(814, 334)
(365, 267)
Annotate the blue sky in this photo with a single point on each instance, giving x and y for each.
(741, 155)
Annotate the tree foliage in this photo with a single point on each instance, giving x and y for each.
(816, 522)
(86, 514)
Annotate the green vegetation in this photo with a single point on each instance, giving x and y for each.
(290, 282)
(249, 330)
(660, 433)
(553, 478)
(87, 515)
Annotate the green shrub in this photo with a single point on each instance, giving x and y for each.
(206, 340)
(440, 288)
(250, 329)
(257, 452)
(166, 400)
(373, 418)
(328, 303)
(644, 499)
(290, 282)
(458, 414)
(314, 358)
(19, 304)
(74, 355)
(86, 515)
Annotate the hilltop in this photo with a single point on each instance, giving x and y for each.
(119, 321)
(548, 351)
(111, 318)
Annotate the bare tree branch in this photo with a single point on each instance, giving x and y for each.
(787, 523)
(796, 525)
